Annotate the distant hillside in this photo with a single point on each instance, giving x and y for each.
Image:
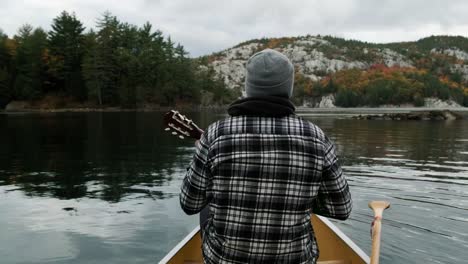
(354, 73)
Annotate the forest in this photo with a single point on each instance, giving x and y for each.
(117, 64)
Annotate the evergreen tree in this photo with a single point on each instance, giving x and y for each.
(152, 61)
(183, 74)
(5, 93)
(129, 65)
(330, 87)
(90, 74)
(5, 55)
(30, 64)
(347, 98)
(66, 41)
(102, 69)
(5, 70)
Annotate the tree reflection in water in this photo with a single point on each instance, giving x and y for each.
(105, 155)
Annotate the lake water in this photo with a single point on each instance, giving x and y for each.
(103, 187)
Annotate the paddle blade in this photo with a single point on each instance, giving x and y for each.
(379, 205)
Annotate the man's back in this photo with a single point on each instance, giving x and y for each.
(262, 172)
(263, 177)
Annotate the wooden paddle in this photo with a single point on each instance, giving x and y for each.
(378, 207)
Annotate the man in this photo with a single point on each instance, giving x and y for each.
(262, 172)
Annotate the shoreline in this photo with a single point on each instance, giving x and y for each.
(377, 110)
(388, 113)
(110, 109)
(302, 111)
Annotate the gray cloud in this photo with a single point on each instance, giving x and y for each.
(206, 26)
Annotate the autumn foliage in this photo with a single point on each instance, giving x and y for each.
(380, 85)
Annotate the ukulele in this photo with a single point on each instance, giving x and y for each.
(181, 126)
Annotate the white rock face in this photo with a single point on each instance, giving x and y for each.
(459, 54)
(16, 106)
(312, 41)
(463, 69)
(438, 103)
(308, 102)
(231, 65)
(313, 77)
(307, 60)
(306, 56)
(319, 63)
(242, 53)
(327, 101)
(233, 72)
(392, 58)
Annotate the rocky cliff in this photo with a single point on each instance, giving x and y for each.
(316, 57)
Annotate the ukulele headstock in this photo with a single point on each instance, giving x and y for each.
(181, 126)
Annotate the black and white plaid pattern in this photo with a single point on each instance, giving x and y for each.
(262, 178)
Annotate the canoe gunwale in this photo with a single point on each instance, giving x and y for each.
(327, 222)
(345, 238)
(180, 245)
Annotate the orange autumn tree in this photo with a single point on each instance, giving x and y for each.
(303, 87)
(380, 85)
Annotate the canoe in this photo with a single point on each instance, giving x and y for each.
(335, 247)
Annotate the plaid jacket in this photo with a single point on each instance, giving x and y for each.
(262, 178)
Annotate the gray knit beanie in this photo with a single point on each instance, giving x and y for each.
(269, 72)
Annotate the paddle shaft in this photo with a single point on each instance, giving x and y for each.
(378, 207)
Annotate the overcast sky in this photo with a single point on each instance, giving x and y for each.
(206, 26)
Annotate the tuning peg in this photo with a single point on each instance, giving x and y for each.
(167, 129)
(181, 137)
(174, 133)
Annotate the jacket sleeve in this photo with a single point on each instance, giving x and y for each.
(197, 180)
(333, 199)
